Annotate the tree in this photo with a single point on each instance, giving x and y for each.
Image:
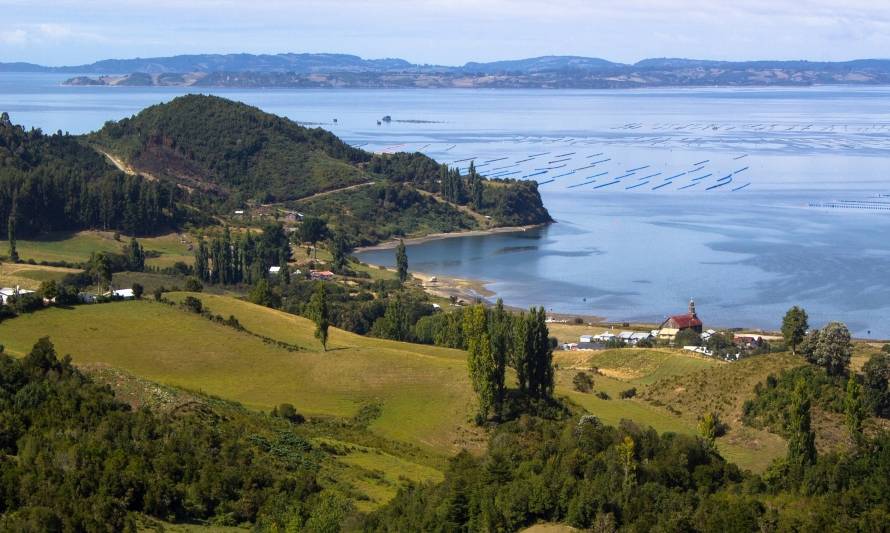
(394, 324)
(582, 382)
(626, 454)
(135, 256)
(854, 410)
(192, 284)
(10, 232)
(687, 337)
(521, 351)
(830, 348)
(794, 327)
(138, 290)
(802, 439)
(318, 306)
(340, 251)
(876, 381)
(262, 294)
(312, 230)
(402, 261)
(540, 370)
(499, 333)
(708, 428)
(100, 268)
(482, 365)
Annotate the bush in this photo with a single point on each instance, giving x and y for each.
(687, 337)
(193, 304)
(138, 290)
(603, 395)
(582, 382)
(615, 343)
(193, 284)
(289, 413)
(628, 393)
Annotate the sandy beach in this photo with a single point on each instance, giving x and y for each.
(436, 236)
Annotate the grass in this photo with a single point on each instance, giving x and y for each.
(30, 276)
(423, 391)
(77, 247)
(646, 366)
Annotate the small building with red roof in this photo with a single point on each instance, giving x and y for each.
(677, 323)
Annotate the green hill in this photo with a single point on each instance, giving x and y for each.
(219, 145)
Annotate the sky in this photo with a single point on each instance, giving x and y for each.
(446, 32)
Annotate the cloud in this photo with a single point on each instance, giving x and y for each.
(47, 33)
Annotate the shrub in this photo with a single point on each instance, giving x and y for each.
(603, 395)
(193, 304)
(192, 284)
(138, 289)
(289, 413)
(628, 393)
(582, 382)
(615, 343)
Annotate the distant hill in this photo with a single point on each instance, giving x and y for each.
(343, 70)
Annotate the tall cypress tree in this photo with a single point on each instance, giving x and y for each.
(802, 441)
(499, 332)
(521, 351)
(854, 410)
(402, 261)
(481, 361)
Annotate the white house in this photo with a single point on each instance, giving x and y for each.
(586, 338)
(126, 294)
(604, 337)
(8, 292)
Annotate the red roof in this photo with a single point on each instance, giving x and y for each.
(685, 321)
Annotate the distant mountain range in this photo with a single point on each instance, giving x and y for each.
(341, 70)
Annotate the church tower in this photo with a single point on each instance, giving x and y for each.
(692, 309)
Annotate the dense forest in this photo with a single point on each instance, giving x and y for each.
(73, 458)
(54, 182)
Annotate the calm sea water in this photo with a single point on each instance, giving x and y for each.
(748, 200)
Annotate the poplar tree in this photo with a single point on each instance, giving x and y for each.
(854, 410)
(521, 351)
(402, 261)
(482, 365)
(802, 441)
(319, 311)
(10, 231)
(499, 332)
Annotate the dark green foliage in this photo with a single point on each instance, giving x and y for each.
(135, 255)
(615, 343)
(60, 184)
(771, 405)
(794, 327)
(582, 382)
(854, 410)
(628, 393)
(402, 261)
(233, 149)
(687, 337)
(245, 259)
(876, 383)
(289, 413)
(381, 211)
(193, 304)
(312, 230)
(193, 284)
(263, 294)
(801, 437)
(537, 470)
(340, 249)
(75, 459)
(138, 291)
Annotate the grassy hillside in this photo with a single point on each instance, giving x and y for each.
(422, 391)
(76, 247)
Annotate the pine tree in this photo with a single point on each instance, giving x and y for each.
(319, 311)
(802, 440)
(854, 410)
(402, 261)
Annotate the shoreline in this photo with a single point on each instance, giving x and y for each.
(389, 245)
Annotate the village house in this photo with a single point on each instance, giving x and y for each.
(323, 275)
(9, 293)
(677, 323)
